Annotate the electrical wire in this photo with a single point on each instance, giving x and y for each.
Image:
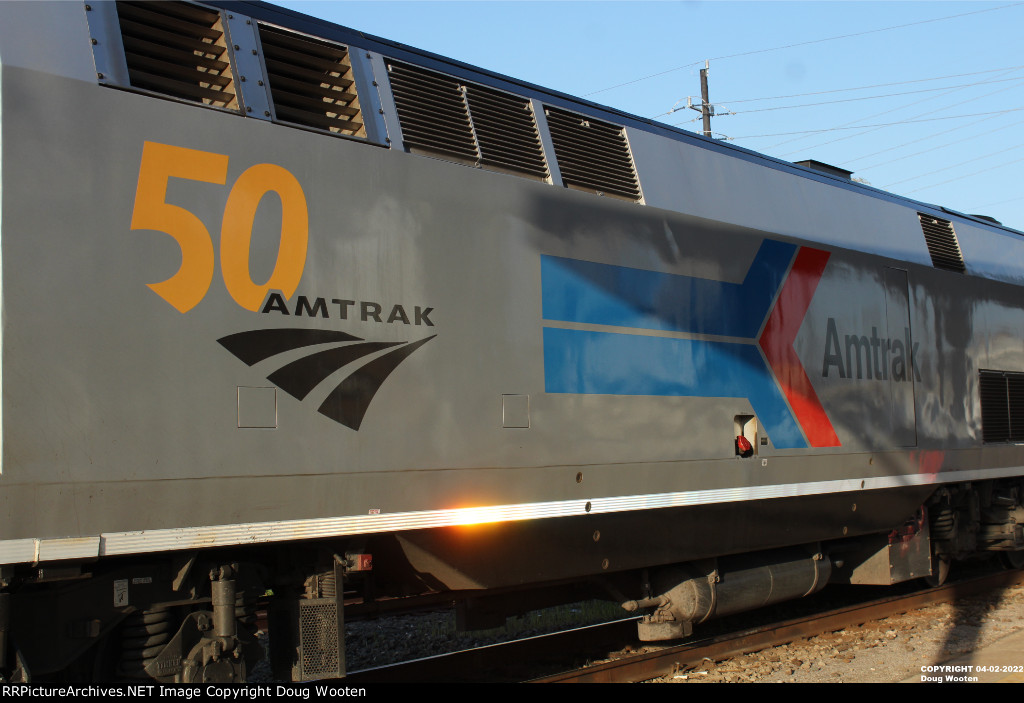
(998, 202)
(886, 124)
(871, 97)
(866, 129)
(886, 112)
(1003, 150)
(903, 145)
(940, 146)
(806, 43)
(966, 175)
(877, 85)
(724, 103)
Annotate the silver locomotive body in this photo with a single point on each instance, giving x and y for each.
(233, 334)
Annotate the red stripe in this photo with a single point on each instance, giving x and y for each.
(777, 343)
(929, 462)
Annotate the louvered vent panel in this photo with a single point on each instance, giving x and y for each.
(466, 122)
(177, 49)
(995, 412)
(1015, 398)
(592, 155)
(506, 131)
(942, 243)
(311, 82)
(433, 113)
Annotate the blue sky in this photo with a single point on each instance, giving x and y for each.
(954, 85)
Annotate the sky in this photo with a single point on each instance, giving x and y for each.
(923, 99)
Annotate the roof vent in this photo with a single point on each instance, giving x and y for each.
(466, 122)
(311, 82)
(433, 112)
(506, 131)
(942, 243)
(822, 167)
(592, 155)
(177, 49)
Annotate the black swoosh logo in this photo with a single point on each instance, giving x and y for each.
(255, 346)
(300, 377)
(348, 402)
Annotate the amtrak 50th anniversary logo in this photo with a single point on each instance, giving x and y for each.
(348, 402)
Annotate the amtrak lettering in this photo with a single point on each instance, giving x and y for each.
(871, 355)
(369, 363)
(362, 310)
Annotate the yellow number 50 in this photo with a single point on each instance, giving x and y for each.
(186, 288)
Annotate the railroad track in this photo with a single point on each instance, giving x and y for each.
(521, 660)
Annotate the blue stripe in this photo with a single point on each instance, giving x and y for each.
(577, 361)
(602, 294)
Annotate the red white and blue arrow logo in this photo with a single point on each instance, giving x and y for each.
(759, 318)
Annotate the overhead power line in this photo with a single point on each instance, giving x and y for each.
(957, 142)
(998, 202)
(966, 175)
(1003, 150)
(723, 103)
(866, 130)
(877, 85)
(806, 43)
(903, 145)
(885, 124)
(873, 97)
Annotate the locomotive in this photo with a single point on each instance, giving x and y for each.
(300, 316)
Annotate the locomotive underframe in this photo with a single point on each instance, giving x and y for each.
(188, 617)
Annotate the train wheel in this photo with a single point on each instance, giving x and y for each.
(941, 572)
(1012, 560)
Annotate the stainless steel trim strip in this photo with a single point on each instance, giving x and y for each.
(143, 541)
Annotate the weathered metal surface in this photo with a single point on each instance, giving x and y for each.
(640, 332)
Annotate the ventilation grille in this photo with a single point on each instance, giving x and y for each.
(592, 155)
(505, 131)
(321, 651)
(942, 243)
(177, 49)
(311, 82)
(1002, 406)
(1015, 399)
(466, 122)
(433, 112)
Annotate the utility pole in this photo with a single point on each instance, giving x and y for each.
(706, 109)
(705, 106)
